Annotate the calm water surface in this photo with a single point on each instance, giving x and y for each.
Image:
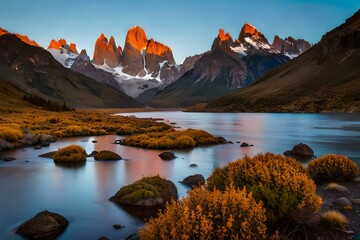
(81, 194)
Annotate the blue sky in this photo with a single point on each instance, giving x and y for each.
(187, 26)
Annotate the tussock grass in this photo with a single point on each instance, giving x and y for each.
(334, 219)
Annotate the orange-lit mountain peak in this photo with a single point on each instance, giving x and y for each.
(73, 48)
(26, 40)
(223, 36)
(57, 44)
(249, 30)
(136, 37)
(157, 48)
(3, 31)
(106, 51)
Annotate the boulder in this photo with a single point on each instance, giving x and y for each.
(338, 188)
(302, 149)
(342, 202)
(118, 226)
(29, 139)
(221, 140)
(44, 138)
(146, 192)
(106, 155)
(244, 144)
(355, 201)
(4, 145)
(45, 144)
(193, 165)
(167, 155)
(9, 159)
(44, 225)
(194, 180)
(133, 236)
(103, 238)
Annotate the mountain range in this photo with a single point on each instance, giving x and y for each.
(32, 71)
(144, 69)
(324, 78)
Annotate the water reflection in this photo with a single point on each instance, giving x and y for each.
(81, 194)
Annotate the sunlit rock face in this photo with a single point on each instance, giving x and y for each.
(106, 52)
(249, 30)
(61, 43)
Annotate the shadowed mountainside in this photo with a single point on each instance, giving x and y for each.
(34, 71)
(325, 78)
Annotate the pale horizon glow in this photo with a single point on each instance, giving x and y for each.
(188, 27)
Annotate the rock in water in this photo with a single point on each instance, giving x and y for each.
(221, 140)
(194, 180)
(45, 224)
(167, 155)
(146, 192)
(302, 149)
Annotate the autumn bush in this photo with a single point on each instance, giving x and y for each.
(281, 183)
(333, 219)
(106, 155)
(332, 167)
(232, 214)
(10, 133)
(171, 139)
(70, 154)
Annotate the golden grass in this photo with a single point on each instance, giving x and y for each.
(73, 123)
(334, 219)
(70, 154)
(171, 139)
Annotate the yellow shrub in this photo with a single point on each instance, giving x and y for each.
(70, 154)
(233, 214)
(333, 219)
(333, 167)
(10, 133)
(279, 182)
(172, 139)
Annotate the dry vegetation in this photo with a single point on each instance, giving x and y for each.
(14, 124)
(281, 183)
(333, 167)
(172, 139)
(333, 219)
(70, 154)
(232, 214)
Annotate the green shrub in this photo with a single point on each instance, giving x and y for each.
(279, 182)
(232, 214)
(332, 167)
(70, 154)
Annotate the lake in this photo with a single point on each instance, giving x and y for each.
(81, 194)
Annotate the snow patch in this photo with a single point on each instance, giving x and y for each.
(66, 59)
(240, 50)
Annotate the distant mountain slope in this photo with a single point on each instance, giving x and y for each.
(325, 78)
(228, 66)
(35, 71)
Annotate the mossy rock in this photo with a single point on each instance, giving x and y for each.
(106, 155)
(72, 154)
(146, 192)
